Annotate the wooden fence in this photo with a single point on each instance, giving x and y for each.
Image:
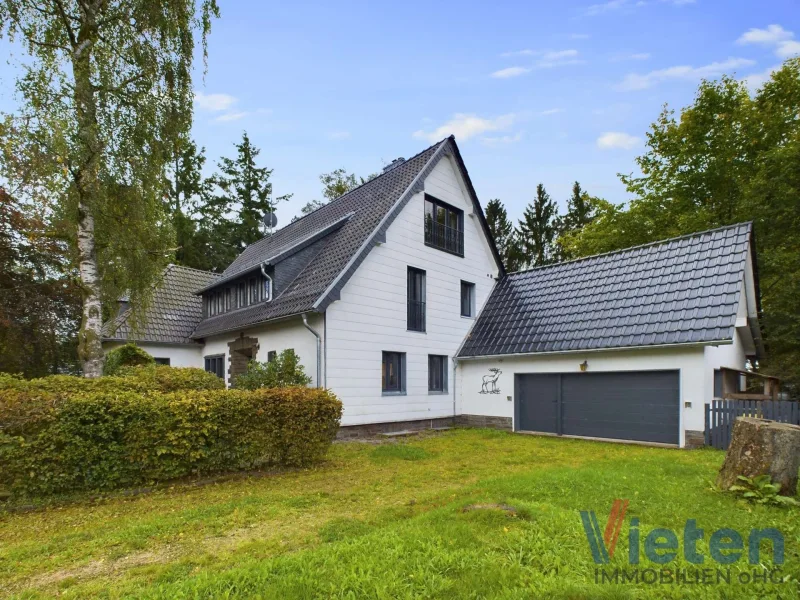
(721, 414)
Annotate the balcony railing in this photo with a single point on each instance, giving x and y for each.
(444, 238)
(416, 316)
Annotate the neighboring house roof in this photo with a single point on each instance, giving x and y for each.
(173, 314)
(677, 291)
(348, 228)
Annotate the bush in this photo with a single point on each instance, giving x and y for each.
(284, 371)
(171, 379)
(106, 439)
(141, 378)
(128, 355)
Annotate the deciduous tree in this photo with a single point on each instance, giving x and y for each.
(105, 92)
(729, 157)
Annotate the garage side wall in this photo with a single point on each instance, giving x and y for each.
(487, 402)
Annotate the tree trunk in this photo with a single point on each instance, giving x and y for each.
(90, 347)
(89, 190)
(762, 447)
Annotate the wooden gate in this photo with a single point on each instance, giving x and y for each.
(721, 414)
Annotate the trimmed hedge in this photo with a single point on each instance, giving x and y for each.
(142, 378)
(106, 439)
(128, 355)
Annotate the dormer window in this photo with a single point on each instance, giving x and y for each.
(444, 226)
(238, 294)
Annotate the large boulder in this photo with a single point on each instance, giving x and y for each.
(762, 447)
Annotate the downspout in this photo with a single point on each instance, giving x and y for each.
(455, 391)
(319, 349)
(268, 278)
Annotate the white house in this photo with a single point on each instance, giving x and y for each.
(394, 297)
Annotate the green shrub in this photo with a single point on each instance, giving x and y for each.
(172, 379)
(761, 490)
(139, 379)
(284, 371)
(128, 355)
(53, 442)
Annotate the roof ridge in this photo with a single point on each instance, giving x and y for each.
(171, 265)
(348, 192)
(629, 248)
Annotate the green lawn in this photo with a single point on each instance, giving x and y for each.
(388, 521)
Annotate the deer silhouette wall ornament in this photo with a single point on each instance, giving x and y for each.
(489, 385)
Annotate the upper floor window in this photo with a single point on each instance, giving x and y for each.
(416, 299)
(467, 299)
(444, 226)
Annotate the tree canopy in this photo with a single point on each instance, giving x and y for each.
(106, 97)
(728, 157)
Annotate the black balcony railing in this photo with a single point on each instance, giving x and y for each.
(443, 237)
(416, 316)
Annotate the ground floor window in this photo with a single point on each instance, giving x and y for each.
(393, 372)
(161, 361)
(216, 364)
(437, 373)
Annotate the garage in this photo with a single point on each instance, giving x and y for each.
(632, 405)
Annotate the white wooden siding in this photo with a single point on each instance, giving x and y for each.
(278, 336)
(370, 317)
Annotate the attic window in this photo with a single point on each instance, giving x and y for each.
(444, 226)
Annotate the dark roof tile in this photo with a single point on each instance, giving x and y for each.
(683, 290)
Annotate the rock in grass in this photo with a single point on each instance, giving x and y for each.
(762, 447)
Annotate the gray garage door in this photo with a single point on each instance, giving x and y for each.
(633, 405)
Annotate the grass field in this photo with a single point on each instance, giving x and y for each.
(388, 521)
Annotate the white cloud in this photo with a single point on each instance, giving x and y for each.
(545, 59)
(756, 80)
(338, 135)
(635, 81)
(465, 126)
(501, 140)
(612, 140)
(213, 102)
(599, 9)
(525, 52)
(788, 48)
(558, 58)
(781, 40)
(550, 111)
(773, 34)
(510, 72)
(234, 116)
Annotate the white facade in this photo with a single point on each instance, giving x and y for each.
(277, 336)
(371, 315)
(370, 318)
(178, 355)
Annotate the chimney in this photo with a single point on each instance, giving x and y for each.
(396, 162)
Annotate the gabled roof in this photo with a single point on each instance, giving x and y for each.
(357, 221)
(680, 291)
(173, 314)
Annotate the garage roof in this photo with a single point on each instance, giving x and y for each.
(677, 291)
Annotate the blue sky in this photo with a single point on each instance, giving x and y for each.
(535, 92)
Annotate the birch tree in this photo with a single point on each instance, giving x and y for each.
(105, 96)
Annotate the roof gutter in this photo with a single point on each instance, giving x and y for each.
(618, 349)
